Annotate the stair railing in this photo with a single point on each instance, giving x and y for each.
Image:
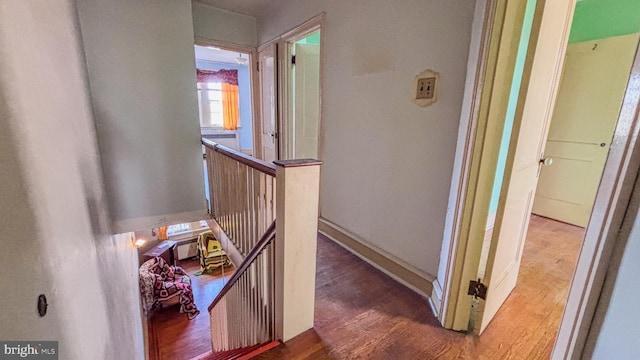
(242, 194)
(271, 295)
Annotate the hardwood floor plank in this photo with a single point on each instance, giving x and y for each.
(177, 337)
(363, 314)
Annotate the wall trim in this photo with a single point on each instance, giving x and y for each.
(435, 300)
(491, 220)
(416, 280)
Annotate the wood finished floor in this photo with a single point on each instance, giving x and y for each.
(177, 337)
(363, 314)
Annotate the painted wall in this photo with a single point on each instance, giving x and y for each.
(142, 74)
(244, 90)
(513, 102)
(387, 162)
(615, 331)
(53, 210)
(222, 25)
(599, 19)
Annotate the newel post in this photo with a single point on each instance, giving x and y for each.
(297, 193)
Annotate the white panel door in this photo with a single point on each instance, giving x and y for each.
(593, 84)
(307, 101)
(268, 104)
(505, 253)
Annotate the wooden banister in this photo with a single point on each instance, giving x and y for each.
(262, 166)
(251, 257)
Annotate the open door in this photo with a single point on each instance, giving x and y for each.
(268, 104)
(593, 85)
(307, 101)
(526, 156)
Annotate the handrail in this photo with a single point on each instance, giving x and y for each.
(260, 165)
(251, 257)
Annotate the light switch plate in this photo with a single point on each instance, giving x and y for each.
(426, 88)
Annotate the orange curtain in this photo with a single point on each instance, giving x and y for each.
(230, 107)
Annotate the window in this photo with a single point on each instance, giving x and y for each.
(186, 227)
(210, 104)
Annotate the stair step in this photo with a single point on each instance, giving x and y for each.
(238, 354)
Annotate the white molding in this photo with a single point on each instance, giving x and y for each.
(491, 220)
(435, 300)
(384, 260)
(452, 241)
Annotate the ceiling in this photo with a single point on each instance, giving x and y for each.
(247, 7)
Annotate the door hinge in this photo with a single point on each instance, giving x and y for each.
(293, 59)
(258, 66)
(477, 289)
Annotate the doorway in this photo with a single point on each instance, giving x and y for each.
(302, 124)
(591, 90)
(495, 266)
(589, 98)
(225, 97)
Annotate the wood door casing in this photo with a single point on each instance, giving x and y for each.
(268, 103)
(530, 130)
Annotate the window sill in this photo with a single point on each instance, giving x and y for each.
(187, 234)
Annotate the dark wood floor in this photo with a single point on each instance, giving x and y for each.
(363, 314)
(178, 338)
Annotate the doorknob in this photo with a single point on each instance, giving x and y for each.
(546, 161)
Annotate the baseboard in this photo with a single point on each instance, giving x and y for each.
(435, 300)
(407, 275)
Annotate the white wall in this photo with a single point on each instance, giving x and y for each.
(53, 211)
(615, 332)
(222, 25)
(388, 162)
(142, 75)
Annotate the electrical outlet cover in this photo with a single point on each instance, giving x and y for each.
(426, 88)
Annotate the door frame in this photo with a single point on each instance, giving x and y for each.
(286, 41)
(478, 149)
(621, 169)
(276, 50)
(253, 83)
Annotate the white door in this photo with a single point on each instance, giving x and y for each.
(521, 176)
(307, 101)
(593, 84)
(268, 105)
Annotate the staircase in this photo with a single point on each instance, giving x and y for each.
(270, 297)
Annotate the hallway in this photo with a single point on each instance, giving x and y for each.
(361, 313)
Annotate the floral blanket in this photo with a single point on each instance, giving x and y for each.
(159, 281)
